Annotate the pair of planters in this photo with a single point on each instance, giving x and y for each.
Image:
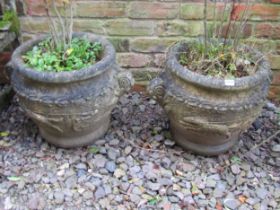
(73, 108)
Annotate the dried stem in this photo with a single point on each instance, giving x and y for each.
(229, 24)
(205, 26)
(51, 23)
(223, 20)
(63, 39)
(214, 19)
(70, 27)
(241, 27)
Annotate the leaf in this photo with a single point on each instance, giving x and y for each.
(242, 198)
(4, 134)
(167, 206)
(69, 51)
(194, 189)
(235, 159)
(219, 206)
(14, 178)
(154, 200)
(94, 150)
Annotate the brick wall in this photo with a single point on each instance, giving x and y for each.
(142, 30)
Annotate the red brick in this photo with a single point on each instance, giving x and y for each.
(275, 1)
(134, 60)
(274, 60)
(4, 59)
(35, 7)
(101, 9)
(267, 30)
(258, 11)
(274, 93)
(276, 78)
(247, 30)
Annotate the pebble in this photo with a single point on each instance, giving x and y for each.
(113, 154)
(114, 142)
(235, 169)
(261, 193)
(132, 175)
(168, 142)
(153, 186)
(119, 173)
(276, 148)
(59, 197)
(110, 166)
(231, 203)
(99, 193)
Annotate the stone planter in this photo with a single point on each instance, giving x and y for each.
(70, 108)
(208, 114)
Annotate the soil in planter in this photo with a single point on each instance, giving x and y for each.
(80, 54)
(218, 60)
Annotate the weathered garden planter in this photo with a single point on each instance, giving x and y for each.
(70, 108)
(208, 114)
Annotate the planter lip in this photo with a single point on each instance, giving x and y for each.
(263, 73)
(99, 67)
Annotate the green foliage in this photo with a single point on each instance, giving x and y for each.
(153, 201)
(14, 178)
(4, 134)
(94, 150)
(10, 17)
(235, 159)
(81, 54)
(217, 60)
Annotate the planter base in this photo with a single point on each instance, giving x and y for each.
(202, 149)
(78, 140)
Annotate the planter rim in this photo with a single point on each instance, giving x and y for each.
(107, 61)
(263, 72)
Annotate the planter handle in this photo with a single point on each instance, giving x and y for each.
(156, 88)
(125, 80)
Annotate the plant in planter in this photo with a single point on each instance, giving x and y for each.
(68, 83)
(213, 89)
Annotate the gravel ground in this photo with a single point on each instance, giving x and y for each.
(137, 166)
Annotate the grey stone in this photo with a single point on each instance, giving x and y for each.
(235, 169)
(99, 193)
(168, 142)
(113, 154)
(88, 194)
(71, 182)
(231, 203)
(135, 169)
(81, 166)
(119, 173)
(59, 197)
(114, 142)
(261, 193)
(127, 150)
(100, 161)
(165, 181)
(153, 186)
(276, 148)
(210, 183)
(137, 191)
(110, 166)
(135, 198)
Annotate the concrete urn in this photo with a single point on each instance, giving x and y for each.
(208, 114)
(70, 108)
